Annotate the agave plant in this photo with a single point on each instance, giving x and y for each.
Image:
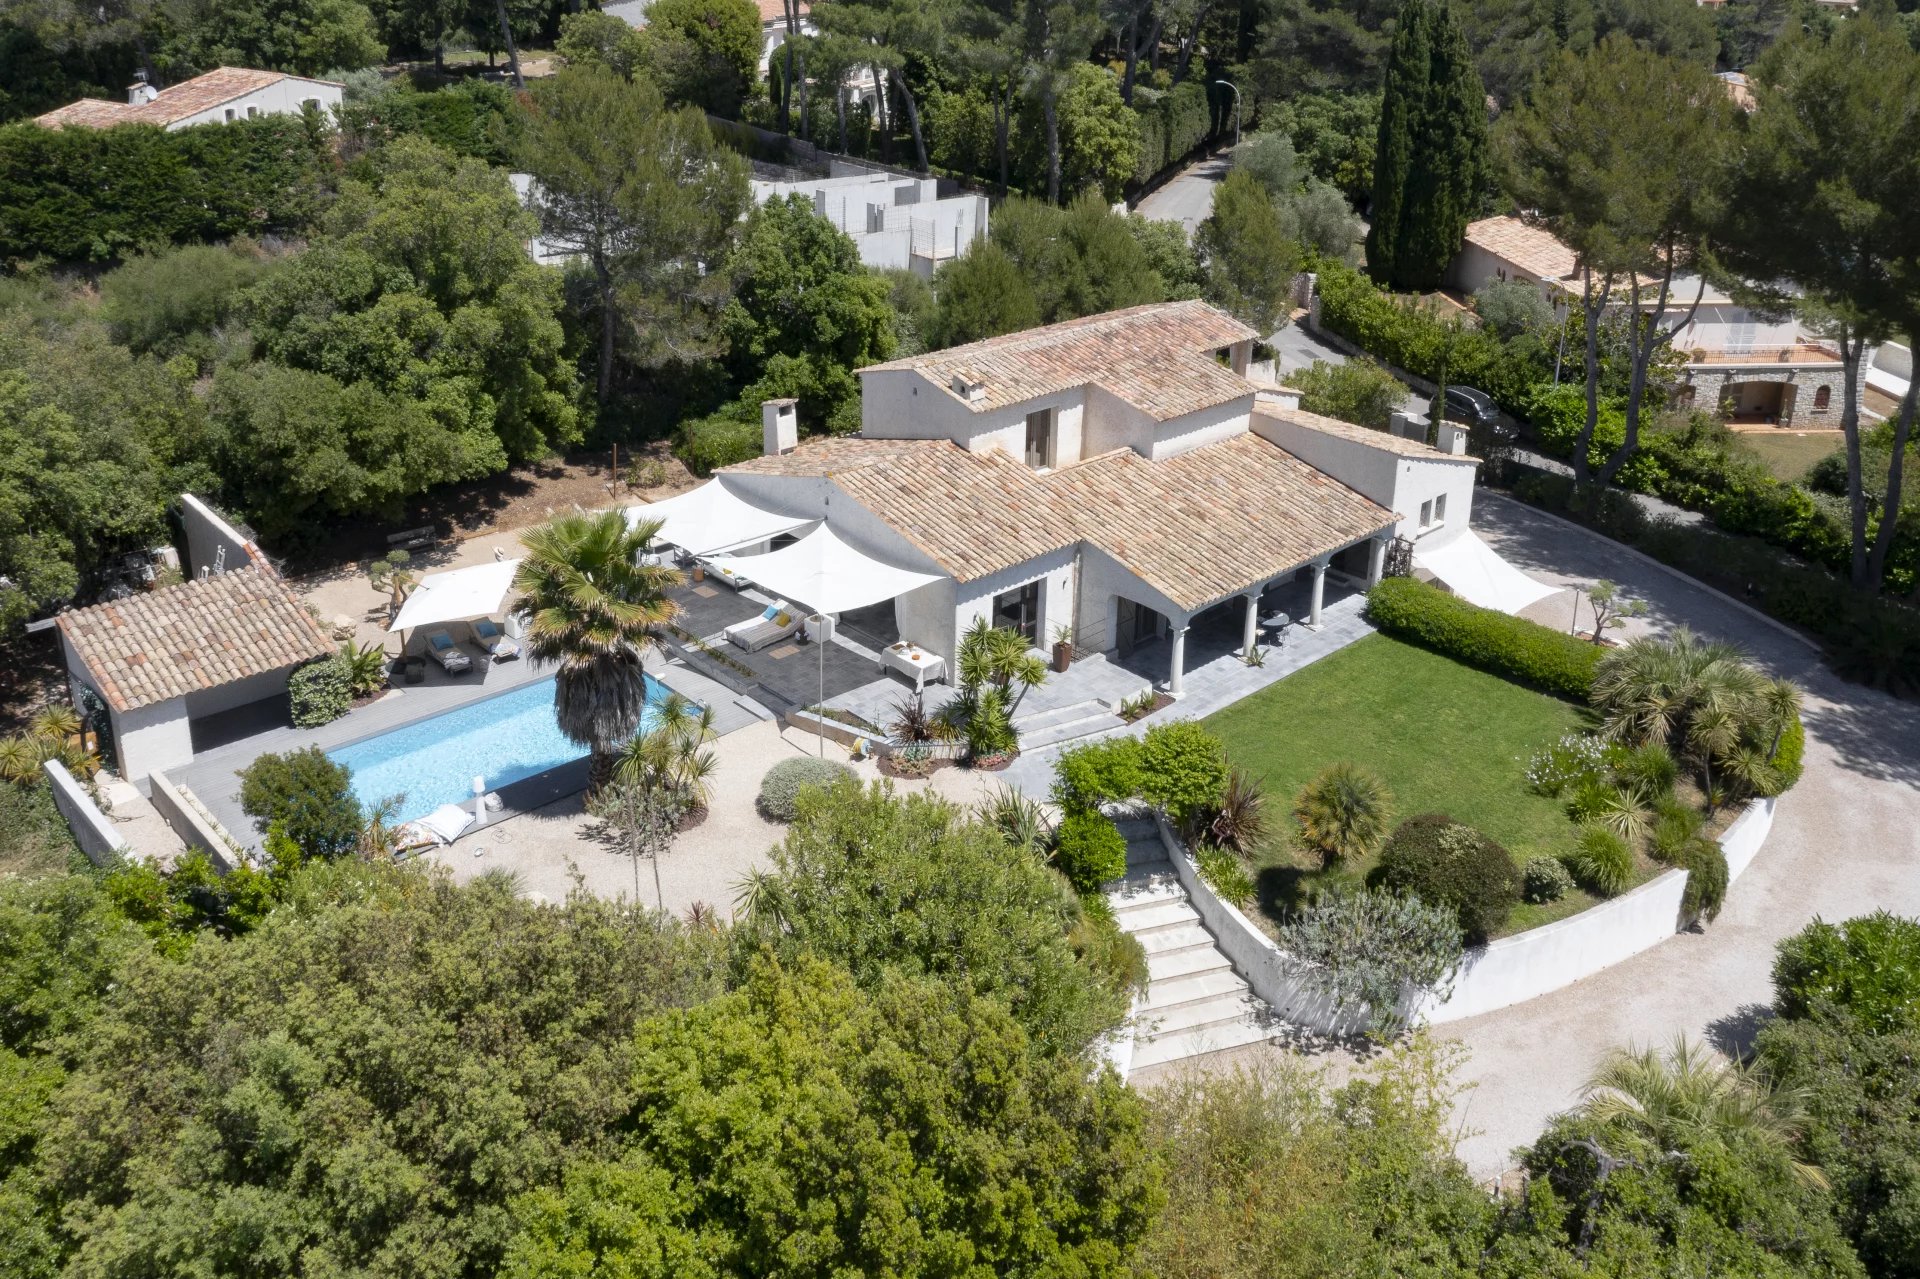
(20, 758)
(1685, 1094)
(56, 723)
(1020, 819)
(1343, 813)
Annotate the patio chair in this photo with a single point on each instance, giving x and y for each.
(716, 573)
(776, 623)
(497, 643)
(449, 654)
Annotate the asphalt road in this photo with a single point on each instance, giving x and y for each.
(1186, 198)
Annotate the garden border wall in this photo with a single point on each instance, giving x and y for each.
(92, 829)
(195, 828)
(1509, 971)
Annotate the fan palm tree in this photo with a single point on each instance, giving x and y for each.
(1687, 1093)
(595, 609)
(1343, 812)
(1782, 699)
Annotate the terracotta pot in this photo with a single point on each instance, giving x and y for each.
(699, 573)
(1062, 656)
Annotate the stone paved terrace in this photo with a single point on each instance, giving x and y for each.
(214, 774)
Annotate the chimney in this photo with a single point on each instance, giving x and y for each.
(140, 92)
(968, 388)
(779, 427)
(1453, 439)
(1408, 426)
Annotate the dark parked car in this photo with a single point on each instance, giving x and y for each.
(1475, 408)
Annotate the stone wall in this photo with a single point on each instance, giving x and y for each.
(1714, 386)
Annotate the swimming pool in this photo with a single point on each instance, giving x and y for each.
(433, 761)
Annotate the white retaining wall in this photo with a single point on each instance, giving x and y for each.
(92, 829)
(1505, 972)
(191, 823)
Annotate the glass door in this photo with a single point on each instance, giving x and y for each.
(1019, 610)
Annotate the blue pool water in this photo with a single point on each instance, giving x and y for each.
(504, 739)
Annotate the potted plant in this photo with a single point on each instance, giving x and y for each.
(699, 571)
(1062, 647)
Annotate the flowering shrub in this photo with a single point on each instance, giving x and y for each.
(1573, 759)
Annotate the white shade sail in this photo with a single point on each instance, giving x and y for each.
(825, 574)
(457, 595)
(712, 518)
(1476, 573)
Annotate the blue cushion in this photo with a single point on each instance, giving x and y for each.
(773, 611)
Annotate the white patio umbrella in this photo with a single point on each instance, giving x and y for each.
(713, 518)
(829, 575)
(457, 595)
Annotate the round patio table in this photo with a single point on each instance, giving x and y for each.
(1278, 624)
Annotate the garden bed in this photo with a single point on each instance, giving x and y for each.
(1442, 736)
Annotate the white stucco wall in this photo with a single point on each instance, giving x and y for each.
(1208, 426)
(1112, 423)
(1054, 571)
(208, 536)
(1102, 579)
(1395, 481)
(254, 688)
(284, 97)
(901, 404)
(157, 736)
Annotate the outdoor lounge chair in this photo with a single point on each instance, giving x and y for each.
(779, 621)
(498, 644)
(448, 654)
(440, 827)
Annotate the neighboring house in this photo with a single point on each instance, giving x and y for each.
(773, 34)
(219, 97)
(1115, 478)
(1750, 367)
(896, 220)
(190, 666)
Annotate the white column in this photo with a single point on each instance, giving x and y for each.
(1251, 634)
(1179, 661)
(1319, 592)
(1376, 561)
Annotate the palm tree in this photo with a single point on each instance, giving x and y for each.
(1000, 657)
(595, 609)
(1688, 1093)
(1343, 812)
(1782, 699)
(669, 756)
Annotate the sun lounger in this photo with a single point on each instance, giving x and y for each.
(737, 580)
(448, 654)
(440, 827)
(779, 621)
(497, 643)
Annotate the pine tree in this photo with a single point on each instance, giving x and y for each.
(1432, 150)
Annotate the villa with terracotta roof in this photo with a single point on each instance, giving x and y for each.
(1752, 367)
(1114, 479)
(221, 96)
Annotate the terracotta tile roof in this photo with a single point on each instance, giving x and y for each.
(1215, 520)
(776, 11)
(1198, 527)
(971, 513)
(199, 634)
(1382, 440)
(1156, 358)
(189, 97)
(1533, 250)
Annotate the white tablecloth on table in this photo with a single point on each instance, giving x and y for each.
(918, 665)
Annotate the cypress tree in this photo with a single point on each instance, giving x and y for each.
(1432, 150)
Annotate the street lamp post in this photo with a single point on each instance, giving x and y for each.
(1236, 108)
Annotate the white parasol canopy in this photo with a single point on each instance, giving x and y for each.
(457, 595)
(713, 518)
(825, 573)
(1477, 574)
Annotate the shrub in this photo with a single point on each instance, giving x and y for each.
(1369, 947)
(308, 795)
(1545, 879)
(1868, 967)
(1789, 758)
(1650, 769)
(1566, 763)
(1240, 821)
(1449, 863)
(1183, 769)
(1603, 863)
(1590, 800)
(1484, 638)
(1343, 813)
(1707, 876)
(780, 788)
(1674, 825)
(1089, 850)
(1225, 873)
(1020, 819)
(320, 692)
(709, 443)
(1101, 773)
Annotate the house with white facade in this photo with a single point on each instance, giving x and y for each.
(221, 96)
(1114, 480)
(1748, 366)
(897, 221)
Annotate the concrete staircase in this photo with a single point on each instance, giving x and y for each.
(1194, 1003)
(1064, 724)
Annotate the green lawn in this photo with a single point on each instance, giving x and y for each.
(1788, 454)
(1444, 737)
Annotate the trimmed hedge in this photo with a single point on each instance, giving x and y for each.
(320, 692)
(1172, 124)
(1089, 850)
(1485, 638)
(91, 195)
